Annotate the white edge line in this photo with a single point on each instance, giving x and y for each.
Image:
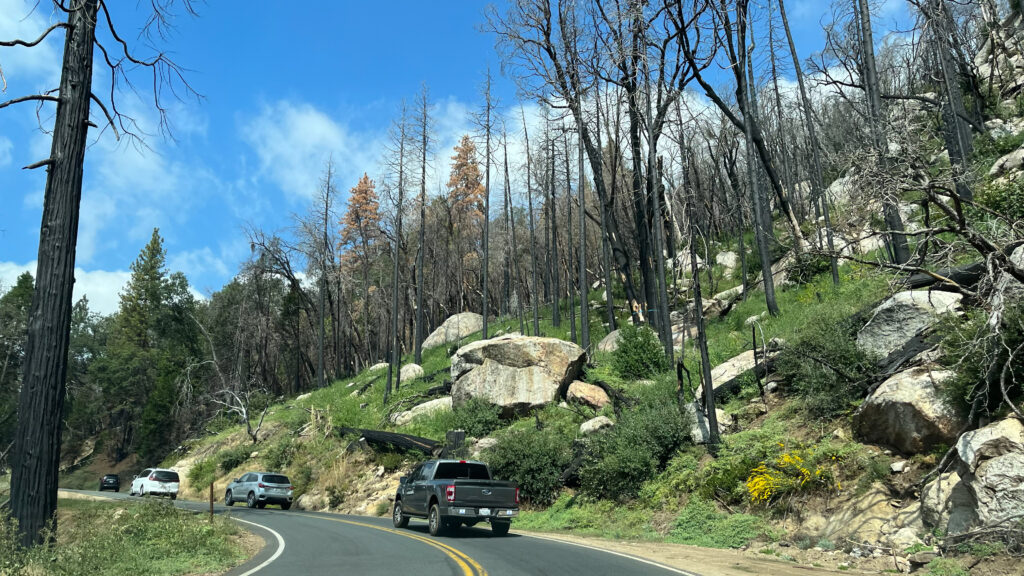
(612, 552)
(280, 547)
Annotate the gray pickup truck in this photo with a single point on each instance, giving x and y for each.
(452, 493)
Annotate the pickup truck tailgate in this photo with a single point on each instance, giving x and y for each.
(485, 494)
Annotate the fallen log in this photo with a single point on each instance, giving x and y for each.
(393, 440)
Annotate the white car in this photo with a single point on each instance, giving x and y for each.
(155, 481)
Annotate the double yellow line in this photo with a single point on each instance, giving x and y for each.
(468, 566)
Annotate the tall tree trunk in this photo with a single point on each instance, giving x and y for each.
(394, 366)
(424, 146)
(556, 319)
(654, 189)
(762, 221)
(818, 186)
(36, 459)
(900, 249)
(511, 250)
(582, 274)
(487, 202)
(609, 303)
(569, 288)
(534, 300)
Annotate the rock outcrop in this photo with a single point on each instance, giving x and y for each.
(595, 425)
(410, 372)
(987, 488)
(609, 343)
(907, 413)
(726, 377)
(587, 394)
(455, 328)
(902, 317)
(517, 373)
(433, 406)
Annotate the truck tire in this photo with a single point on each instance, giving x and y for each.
(500, 528)
(435, 522)
(398, 518)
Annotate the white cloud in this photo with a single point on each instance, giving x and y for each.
(28, 70)
(102, 287)
(5, 151)
(293, 141)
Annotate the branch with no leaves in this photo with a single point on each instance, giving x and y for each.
(36, 97)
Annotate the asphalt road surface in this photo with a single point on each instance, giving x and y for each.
(312, 543)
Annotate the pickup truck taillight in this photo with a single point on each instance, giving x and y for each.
(517, 494)
(449, 492)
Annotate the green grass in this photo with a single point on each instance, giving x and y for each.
(601, 518)
(100, 538)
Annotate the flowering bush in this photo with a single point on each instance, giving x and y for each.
(793, 471)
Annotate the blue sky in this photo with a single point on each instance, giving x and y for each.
(283, 89)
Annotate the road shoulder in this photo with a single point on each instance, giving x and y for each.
(703, 561)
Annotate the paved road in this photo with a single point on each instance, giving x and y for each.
(316, 543)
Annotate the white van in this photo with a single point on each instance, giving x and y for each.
(155, 481)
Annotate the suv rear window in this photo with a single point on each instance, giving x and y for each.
(453, 470)
(165, 476)
(275, 479)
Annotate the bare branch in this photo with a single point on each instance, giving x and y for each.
(37, 97)
(17, 42)
(106, 113)
(40, 164)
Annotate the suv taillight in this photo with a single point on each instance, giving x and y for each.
(152, 477)
(449, 492)
(261, 485)
(517, 494)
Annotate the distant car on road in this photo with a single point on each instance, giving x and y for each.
(156, 482)
(110, 482)
(257, 489)
(450, 493)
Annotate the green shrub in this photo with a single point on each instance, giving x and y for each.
(232, 458)
(825, 367)
(640, 354)
(678, 478)
(945, 567)
(279, 455)
(620, 460)
(534, 460)
(203, 473)
(477, 417)
(391, 461)
(807, 267)
(969, 348)
(1005, 197)
(701, 524)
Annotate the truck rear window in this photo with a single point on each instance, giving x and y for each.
(453, 470)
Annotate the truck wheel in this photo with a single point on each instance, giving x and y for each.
(399, 519)
(500, 528)
(435, 522)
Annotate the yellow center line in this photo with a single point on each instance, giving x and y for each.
(469, 566)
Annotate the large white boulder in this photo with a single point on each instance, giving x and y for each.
(587, 394)
(431, 407)
(517, 373)
(1009, 163)
(947, 504)
(903, 316)
(728, 260)
(907, 413)
(455, 328)
(595, 425)
(992, 467)
(410, 372)
(609, 343)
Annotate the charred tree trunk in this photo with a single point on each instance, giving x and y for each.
(37, 446)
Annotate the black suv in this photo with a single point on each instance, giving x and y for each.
(110, 482)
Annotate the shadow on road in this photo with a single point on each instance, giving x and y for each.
(463, 533)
